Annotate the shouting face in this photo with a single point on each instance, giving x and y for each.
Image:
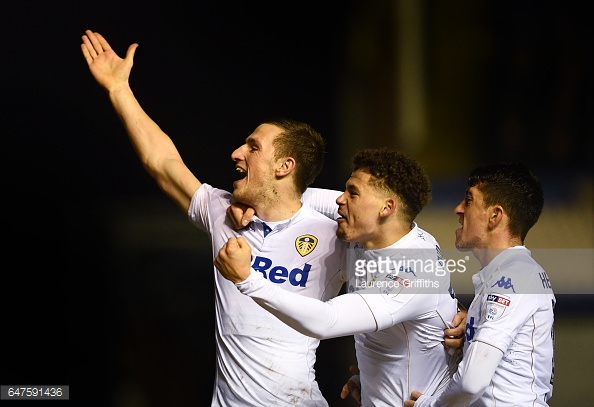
(255, 164)
(359, 208)
(474, 218)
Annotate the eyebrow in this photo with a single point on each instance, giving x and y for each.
(251, 141)
(351, 187)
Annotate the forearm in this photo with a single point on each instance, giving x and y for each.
(344, 315)
(470, 381)
(152, 145)
(156, 150)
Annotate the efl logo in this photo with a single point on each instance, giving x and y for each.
(496, 306)
(305, 244)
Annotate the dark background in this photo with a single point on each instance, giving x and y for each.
(106, 287)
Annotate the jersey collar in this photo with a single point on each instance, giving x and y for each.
(258, 224)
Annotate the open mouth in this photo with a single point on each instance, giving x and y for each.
(241, 173)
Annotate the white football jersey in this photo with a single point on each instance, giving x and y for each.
(409, 354)
(406, 354)
(513, 311)
(260, 360)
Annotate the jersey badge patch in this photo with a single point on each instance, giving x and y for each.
(496, 306)
(305, 244)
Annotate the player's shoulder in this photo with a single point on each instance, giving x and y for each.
(309, 215)
(208, 200)
(519, 261)
(209, 193)
(518, 271)
(422, 239)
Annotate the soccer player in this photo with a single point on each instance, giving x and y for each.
(398, 323)
(508, 355)
(259, 360)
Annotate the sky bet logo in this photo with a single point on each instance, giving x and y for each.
(498, 299)
(280, 274)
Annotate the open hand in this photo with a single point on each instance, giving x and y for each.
(108, 69)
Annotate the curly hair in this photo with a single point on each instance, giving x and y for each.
(398, 173)
(515, 188)
(300, 141)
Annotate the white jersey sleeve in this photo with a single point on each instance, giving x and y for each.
(207, 206)
(344, 315)
(514, 295)
(470, 381)
(322, 201)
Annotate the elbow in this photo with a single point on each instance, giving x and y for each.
(151, 166)
(310, 331)
(318, 335)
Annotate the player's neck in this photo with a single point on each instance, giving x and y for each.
(278, 210)
(494, 247)
(386, 235)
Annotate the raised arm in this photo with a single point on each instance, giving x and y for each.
(155, 149)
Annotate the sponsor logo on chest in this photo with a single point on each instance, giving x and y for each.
(279, 274)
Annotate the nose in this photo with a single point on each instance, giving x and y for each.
(341, 199)
(238, 154)
(459, 210)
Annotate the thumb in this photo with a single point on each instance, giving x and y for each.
(131, 51)
(248, 215)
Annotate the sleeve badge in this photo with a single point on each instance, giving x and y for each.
(496, 306)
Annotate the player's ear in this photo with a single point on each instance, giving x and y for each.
(285, 167)
(496, 215)
(389, 207)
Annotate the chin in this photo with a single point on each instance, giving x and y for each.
(244, 198)
(237, 193)
(463, 248)
(341, 234)
(466, 245)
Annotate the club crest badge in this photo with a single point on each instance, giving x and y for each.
(305, 244)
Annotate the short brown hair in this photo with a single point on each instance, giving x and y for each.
(515, 188)
(397, 172)
(300, 141)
